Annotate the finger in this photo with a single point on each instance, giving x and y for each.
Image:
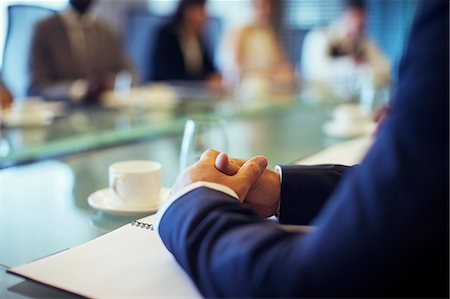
(250, 172)
(253, 169)
(223, 164)
(237, 162)
(209, 154)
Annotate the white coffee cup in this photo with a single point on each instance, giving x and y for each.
(349, 115)
(136, 183)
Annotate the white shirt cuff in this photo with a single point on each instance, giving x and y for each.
(280, 172)
(174, 196)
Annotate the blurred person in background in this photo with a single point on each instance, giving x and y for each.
(342, 56)
(256, 50)
(181, 52)
(75, 56)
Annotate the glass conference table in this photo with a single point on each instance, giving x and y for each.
(48, 173)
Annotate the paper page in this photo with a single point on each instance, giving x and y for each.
(346, 153)
(128, 262)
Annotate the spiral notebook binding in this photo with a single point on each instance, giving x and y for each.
(142, 225)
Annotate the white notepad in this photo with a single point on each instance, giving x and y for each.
(131, 261)
(346, 153)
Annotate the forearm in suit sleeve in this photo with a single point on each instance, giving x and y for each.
(305, 189)
(214, 243)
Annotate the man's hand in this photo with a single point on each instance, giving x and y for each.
(204, 170)
(264, 195)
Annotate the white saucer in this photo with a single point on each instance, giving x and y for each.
(334, 129)
(103, 199)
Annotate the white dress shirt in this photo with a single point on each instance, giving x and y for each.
(317, 65)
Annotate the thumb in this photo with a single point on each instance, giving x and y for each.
(223, 164)
(250, 172)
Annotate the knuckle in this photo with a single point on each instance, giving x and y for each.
(208, 153)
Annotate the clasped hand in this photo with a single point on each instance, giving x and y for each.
(256, 186)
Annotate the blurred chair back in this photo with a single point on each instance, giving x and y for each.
(292, 39)
(140, 38)
(212, 35)
(21, 20)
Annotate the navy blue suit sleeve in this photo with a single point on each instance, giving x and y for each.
(383, 231)
(305, 189)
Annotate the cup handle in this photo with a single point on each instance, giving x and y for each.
(116, 179)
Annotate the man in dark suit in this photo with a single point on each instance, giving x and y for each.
(74, 56)
(381, 230)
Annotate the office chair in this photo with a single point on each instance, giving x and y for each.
(212, 35)
(21, 20)
(292, 40)
(139, 36)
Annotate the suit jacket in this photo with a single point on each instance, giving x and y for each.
(53, 64)
(168, 61)
(382, 232)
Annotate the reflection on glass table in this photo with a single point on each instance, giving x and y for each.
(145, 112)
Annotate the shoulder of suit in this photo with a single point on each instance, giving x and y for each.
(167, 28)
(167, 31)
(49, 22)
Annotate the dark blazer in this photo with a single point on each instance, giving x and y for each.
(168, 60)
(53, 66)
(384, 230)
